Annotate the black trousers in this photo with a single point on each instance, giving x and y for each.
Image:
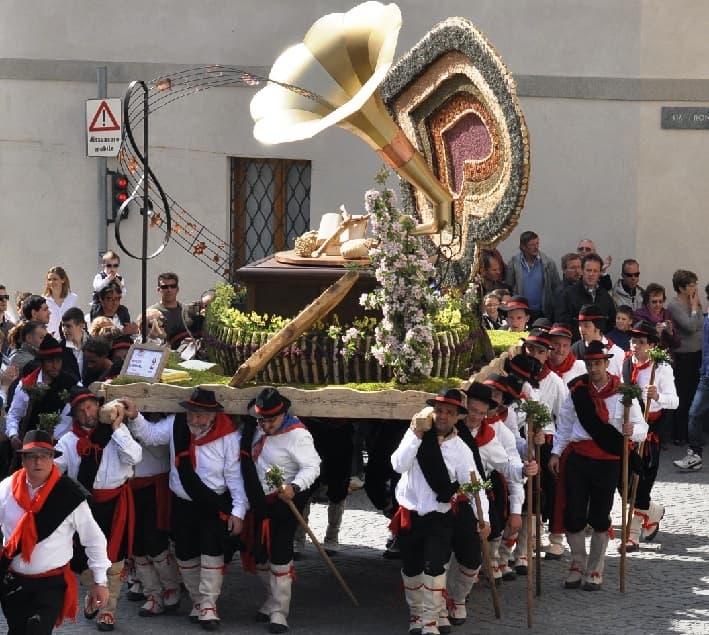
(426, 546)
(31, 605)
(380, 477)
(590, 486)
(148, 540)
(548, 482)
(333, 442)
(283, 525)
(651, 463)
(466, 541)
(686, 368)
(196, 531)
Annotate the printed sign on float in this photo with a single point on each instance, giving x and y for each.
(104, 127)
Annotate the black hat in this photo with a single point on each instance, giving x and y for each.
(49, 348)
(121, 341)
(539, 337)
(510, 386)
(596, 350)
(36, 440)
(268, 403)
(559, 329)
(542, 323)
(645, 328)
(450, 396)
(525, 367)
(78, 394)
(481, 392)
(516, 302)
(590, 312)
(202, 400)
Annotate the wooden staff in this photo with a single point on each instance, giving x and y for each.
(624, 510)
(322, 552)
(538, 516)
(641, 446)
(485, 547)
(530, 525)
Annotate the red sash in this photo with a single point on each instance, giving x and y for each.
(401, 520)
(162, 496)
(71, 595)
(123, 518)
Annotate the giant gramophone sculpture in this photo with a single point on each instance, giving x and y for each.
(445, 117)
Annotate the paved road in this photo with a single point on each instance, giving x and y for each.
(667, 585)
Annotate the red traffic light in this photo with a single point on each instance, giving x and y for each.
(121, 197)
(122, 182)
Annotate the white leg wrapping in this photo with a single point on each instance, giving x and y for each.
(210, 586)
(335, 511)
(596, 560)
(152, 589)
(460, 581)
(433, 588)
(281, 580)
(577, 544)
(652, 525)
(190, 572)
(413, 592)
(507, 547)
(166, 566)
(263, 571)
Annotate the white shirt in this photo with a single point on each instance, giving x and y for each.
(56, 311)
(156, 460)
(665, 384)
(292, 451)
(578, 368)
(552, 392)
(18, 409)
(121, 454)
(218, 464)
(57, 548)
(570, 430)
(413, 491)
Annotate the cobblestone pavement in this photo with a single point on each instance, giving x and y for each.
(667, 583)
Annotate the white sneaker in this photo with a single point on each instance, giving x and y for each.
(690, 462)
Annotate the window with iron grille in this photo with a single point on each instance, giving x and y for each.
(270, 206)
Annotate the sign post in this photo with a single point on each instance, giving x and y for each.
(104, 127)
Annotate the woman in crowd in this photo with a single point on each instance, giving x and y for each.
(687, 318)
(653, 310)
(492, 320)
(59, 297)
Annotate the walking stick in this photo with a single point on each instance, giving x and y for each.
(274, 478)
(322, 551)
(484, 545)
(538, 516)
(530, 525)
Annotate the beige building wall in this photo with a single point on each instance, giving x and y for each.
(592, 76)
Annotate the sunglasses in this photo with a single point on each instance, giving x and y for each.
(4, 297)
(167, 286)
(261, 420)
(584, 249)
(110, 265)
(631, 275)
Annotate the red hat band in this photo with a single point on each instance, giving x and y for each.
(588, 317)
(449, 400)
(37, 445)
(81, 397)
(561, 331)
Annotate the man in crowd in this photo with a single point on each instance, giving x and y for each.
(586, 291)
(73, 338)
(110, 306)
(587, 246)
(517, 313)
(208, 499)
(40, 512)
(570, 269)
(591, 322)
(534, 275)
(101, 457)
(561, 360)
(586, 458)
(171, 309)
(35, 308)
(5, 322)
(275, 437)
(628, 290)
(428, 454)
(24, 412)
(97, 359)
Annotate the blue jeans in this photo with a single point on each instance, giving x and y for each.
(698, 412)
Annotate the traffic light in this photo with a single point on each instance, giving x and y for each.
(119, 191)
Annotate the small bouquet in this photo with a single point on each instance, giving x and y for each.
(47, 421)
(275, 477)
(659, 356)
(470, 489)
(538, 414)
(37, 392)
(628, 392)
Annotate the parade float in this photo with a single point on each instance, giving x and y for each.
(399, 308)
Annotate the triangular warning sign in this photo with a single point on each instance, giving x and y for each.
(103, 120)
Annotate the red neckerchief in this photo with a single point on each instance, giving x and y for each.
(485, 434)
(290, 423)
(637, 368)
(598, 396)
(565, 366)
(609, 342)
(543, 373)
(500, 416)
(84, 446)
(25, 532)
(32, 378)
(223, 425)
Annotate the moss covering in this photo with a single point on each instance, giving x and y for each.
(502, 340)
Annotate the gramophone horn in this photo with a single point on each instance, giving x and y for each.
(331, 78)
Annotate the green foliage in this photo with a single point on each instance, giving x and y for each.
(222, 312)
(659, 356)
(538, 414)
(628, 392)
(274, 477)
(502, 340)
(47, 421)
(470, 489)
